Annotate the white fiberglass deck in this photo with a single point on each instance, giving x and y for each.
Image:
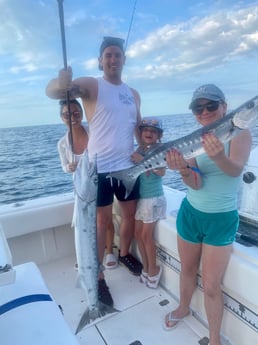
(139, 321)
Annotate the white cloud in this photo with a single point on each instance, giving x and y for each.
(91, 64)
(196, 45)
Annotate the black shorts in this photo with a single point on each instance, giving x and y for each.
(108, 187)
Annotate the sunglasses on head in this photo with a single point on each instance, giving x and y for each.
(210, 106)
(150, 122)
(76, 114)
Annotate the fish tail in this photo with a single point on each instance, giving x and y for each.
(129, 184)
(85, 320)
(127, 181)
(105, 309)
(91, 315)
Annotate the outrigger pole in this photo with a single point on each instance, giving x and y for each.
(130, 25)
(61, 18)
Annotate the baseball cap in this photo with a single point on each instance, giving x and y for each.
(111, 41)
(149, 122)
(207, 91)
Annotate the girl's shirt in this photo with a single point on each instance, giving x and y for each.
(151, 184)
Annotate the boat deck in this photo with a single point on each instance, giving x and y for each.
(141, 310)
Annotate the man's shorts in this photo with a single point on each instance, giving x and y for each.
(216, 229)
(151, 210)
(108, 187)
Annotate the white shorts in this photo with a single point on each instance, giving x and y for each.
(151, 210)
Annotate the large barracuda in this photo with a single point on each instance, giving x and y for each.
(84, 221)
(190, 145)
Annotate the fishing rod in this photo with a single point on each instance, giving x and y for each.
(130, 25)
(61, 18)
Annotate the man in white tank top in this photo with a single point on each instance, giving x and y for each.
(113, 114)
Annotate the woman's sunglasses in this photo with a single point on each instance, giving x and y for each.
(210, 106)
(75, 114)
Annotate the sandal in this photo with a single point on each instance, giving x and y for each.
(172, 321)
(144, 277)
(153, 281)
(111, 261)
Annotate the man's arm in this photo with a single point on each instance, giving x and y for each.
(57, 88)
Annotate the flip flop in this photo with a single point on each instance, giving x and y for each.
(153, 281)
(143, 277)
(173, 321)
(111, 261)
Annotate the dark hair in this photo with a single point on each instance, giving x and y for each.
(63, 102)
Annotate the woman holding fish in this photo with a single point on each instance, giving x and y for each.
(207, 220)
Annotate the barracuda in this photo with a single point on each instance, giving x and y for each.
(84, 221)
(191, 145)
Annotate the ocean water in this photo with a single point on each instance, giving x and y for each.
(30, 166)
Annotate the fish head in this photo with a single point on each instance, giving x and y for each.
(246, 115)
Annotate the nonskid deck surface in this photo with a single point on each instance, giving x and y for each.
(141, 310)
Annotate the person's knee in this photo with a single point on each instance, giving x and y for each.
(189, 268)
(103, 223)
(211, 288)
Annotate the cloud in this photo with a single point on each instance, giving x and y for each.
(196, 45)
(91, 64)
(167, 52)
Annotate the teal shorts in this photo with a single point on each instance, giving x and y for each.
(216, 229)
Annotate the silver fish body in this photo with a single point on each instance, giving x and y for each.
(190, 146)
(84, 221)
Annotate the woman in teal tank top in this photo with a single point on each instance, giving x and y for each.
(208, 219)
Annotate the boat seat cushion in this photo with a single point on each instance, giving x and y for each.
(29, 315)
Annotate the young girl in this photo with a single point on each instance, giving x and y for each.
(151, 206)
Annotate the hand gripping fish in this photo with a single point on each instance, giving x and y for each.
(84, 221)
(191, 145)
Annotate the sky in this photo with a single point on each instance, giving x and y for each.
(172, 48)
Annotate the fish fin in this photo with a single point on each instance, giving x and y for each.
(91, 315)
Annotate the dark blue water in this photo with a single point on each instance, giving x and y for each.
(30, 166)
(29, 163)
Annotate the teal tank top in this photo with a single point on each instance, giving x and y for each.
(150, 185)
(218, 192)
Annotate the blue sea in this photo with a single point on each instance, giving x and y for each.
(30, 166)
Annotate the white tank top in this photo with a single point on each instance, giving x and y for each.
(112, 127)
